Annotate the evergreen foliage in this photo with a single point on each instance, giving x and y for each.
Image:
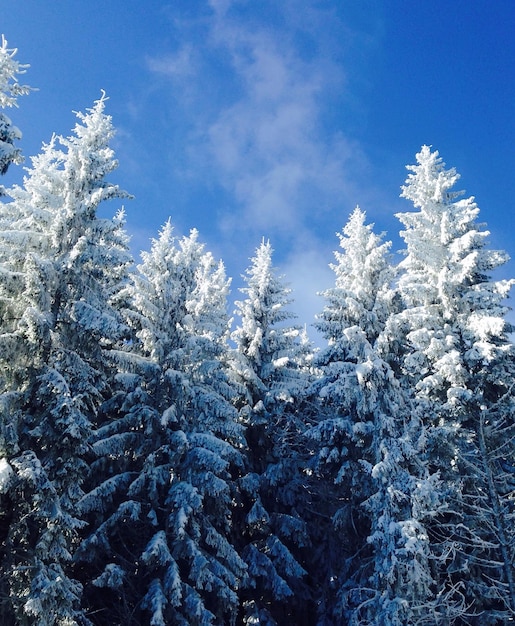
(456, 358)
(173, 433)
(10, 89)
(369, 441)
(271, 363)
(157, 468)
(60, 267)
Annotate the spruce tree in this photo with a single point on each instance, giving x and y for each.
(160, 550)
(61, 266)
(271, 364)
(10, 89)
(369, 440)
(456, 355)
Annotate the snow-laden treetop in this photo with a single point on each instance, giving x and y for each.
(10, 88)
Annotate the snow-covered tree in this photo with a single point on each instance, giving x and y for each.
(162, 549)
(369, 441)
(363, 293)
(60, 268)
(10, 89)
(272, 355)
(149, 473)
(271, 363)
(455, 353)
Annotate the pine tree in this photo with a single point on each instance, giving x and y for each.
(457, 357)
(61, 267)
(270, 362)
(368, 445)
(165, 523)
(10, 89)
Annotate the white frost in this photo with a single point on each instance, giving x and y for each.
(6, 473)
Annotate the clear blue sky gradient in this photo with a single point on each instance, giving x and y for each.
(256, 118)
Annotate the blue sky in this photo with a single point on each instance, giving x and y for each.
(256, 118)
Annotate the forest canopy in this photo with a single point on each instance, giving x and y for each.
(163, 464)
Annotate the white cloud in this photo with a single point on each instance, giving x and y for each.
(268, 147)
(220, 7)
(260, 100)
(179, 65)
(257, 101)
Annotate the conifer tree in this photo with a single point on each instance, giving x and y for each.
(270, 362)
(456, 355)
(10, 89)
(61, 265)
(151, 474)
(161, 544)
(368, 445)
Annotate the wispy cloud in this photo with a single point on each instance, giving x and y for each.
(180, 65)
(269, 146)
(261, 106)
(262, 132)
